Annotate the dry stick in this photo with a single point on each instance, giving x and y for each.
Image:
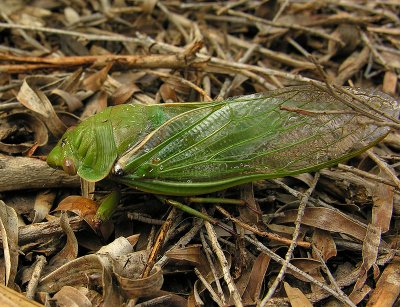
(364, 174)
(281, 261)
(151, 61)
(270, 54)
(228, 83)
(92, 37)
(376, 54)
(175, 21)
(208, 253)
(284, 25)
(206, 284)
(14, 170)
(215, 64)
(298, 47)
(355, 97)
(158, 243)
(327, 271)
(362, 8)
(144, 219)
(268, 235)
(29, 39)
(384, 167)
(333, 90)
(37, 271)
(224, 264)
(298, 195)
(230, 5)
(289, 254)
(183, 241)
(144, 40)
(249, 53)
(141, 40)
(127, 61)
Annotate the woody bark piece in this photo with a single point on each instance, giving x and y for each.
(17, 173)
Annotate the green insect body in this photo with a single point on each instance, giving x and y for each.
(193, 148)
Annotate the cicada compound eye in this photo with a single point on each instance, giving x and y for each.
(69, 166)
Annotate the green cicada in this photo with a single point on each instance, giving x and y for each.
(195, 148)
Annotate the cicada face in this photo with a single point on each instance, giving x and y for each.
(62, 156)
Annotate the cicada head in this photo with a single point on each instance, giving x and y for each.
(87, 150)
(63, 154)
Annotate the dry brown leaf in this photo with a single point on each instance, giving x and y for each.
(190, 253)
(392, 59)
(71, 15)
(11, 298)
(69, 251)
(327, 219)
(70, 296)
(168, 93)
(72, 83)
(194, 298)
(387, 288)
(9, 235)
(135, 287)
(96, 104)
(37, 101)
(352, 65)
(176, 85)
(324, 242)
(148, 6)
(390, 83)
(81, 206)
(256, 279)
(369, 253)
(131, 264)
(72, 101)
(306, 265)
(123, 93)
(43, 203)
(95, 81)
(120, 246)
(74, 273)
(249, 213)
(357, 296)
(350, 37)
(382, 196)
(165, 299)
(296, 297)
(20, 131)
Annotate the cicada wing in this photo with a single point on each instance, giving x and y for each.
(284, 132)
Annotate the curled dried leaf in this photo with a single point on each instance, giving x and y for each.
(81, 206)
(296, 297)
(72, 101)
(37, 101)
(142, 287)
(328, 219)
(9, 235)
(124, 93)
(21, 131)
(95, 81)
